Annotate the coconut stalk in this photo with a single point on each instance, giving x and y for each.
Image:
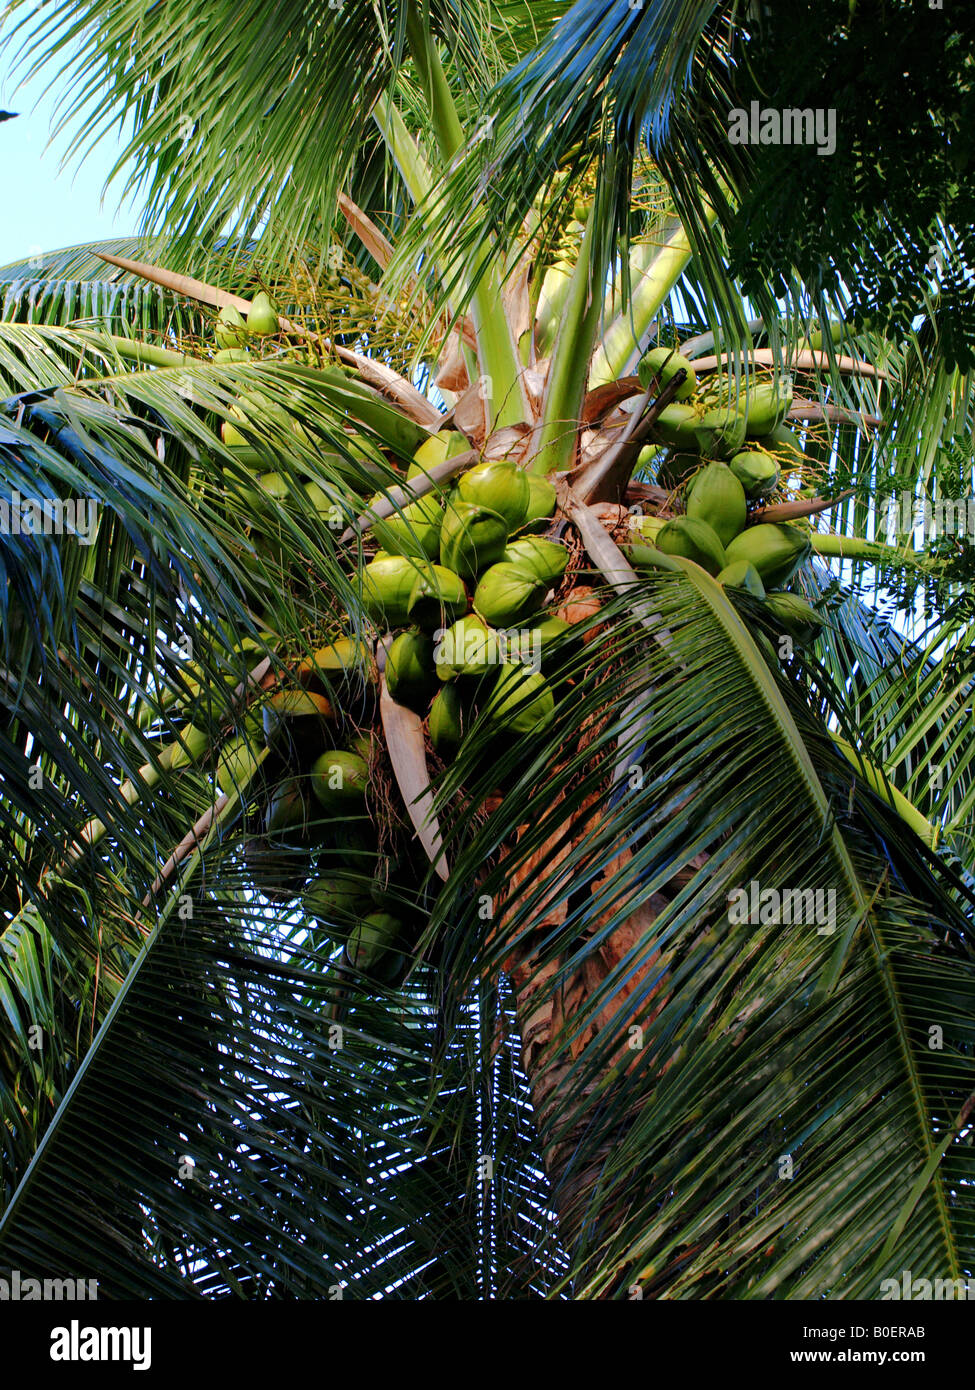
(556, 438)
(656, 269)
(407, 754)
(806, 361)
(497, 352)
(383, 378)
(873, 552)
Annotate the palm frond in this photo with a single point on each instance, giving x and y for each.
(722, 768)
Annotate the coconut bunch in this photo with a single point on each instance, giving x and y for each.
(234, 332)
(463, 585)
(703, 424)
(728, 457)
(303, 767)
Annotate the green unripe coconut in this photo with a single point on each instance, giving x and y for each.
(541, 503)
(334, 508)
(553, 632)
(536, 644)
(508, 593)
(262, 317)
(413, 530)
(371, 947)
(339, 780)
(798, 618)
(742, 575)
(447, 721)
(231, 355)
(647, 528)
(244, 454)
(233, 438)
(336, 900)
(286, 810)
(230, 330)
(757, 472)
(471, 538)
(720, 432)
(296, 718)
(467, 648)
(410, 674)
(677, 426)
(775, 550)
(387, 586)
(695, 540)
(546, 559)
(362, 744)
(268, 487)
(341, 657)
(499, 485)
(438, 599)
(521, 702)
(716, 496)
(836, 329)
(664, 363)
(239, 760)
(766, 406)
(444, 445)
(784, 444)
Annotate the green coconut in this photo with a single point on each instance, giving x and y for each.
(387, 587)
(521, 702)
(647, 528)
(508, 593)
(546, 559)
(413, 530)
(499, 485)
(541, 503)
(715, 495)
(776, 550)
(286, 810)
(230, 330)
(372, 945)
(444, 445)
(410, 674)
(471, 538)
(720, 432)
(438, 599)
(766, 406)
(262, 317)
(663, 363)
(448, 719)
(467, 648)
(677, 426)
(784, 444)
(757, 472)
(339, 781)
(695, 540)
(296, 719)
(337, 899)
(676, 467)
(338, 660)
(742, 575)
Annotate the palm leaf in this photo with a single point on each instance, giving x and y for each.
(734, 769)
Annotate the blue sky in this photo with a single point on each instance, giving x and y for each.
(47, 207)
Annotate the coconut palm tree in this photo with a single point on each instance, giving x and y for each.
(654, 978)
